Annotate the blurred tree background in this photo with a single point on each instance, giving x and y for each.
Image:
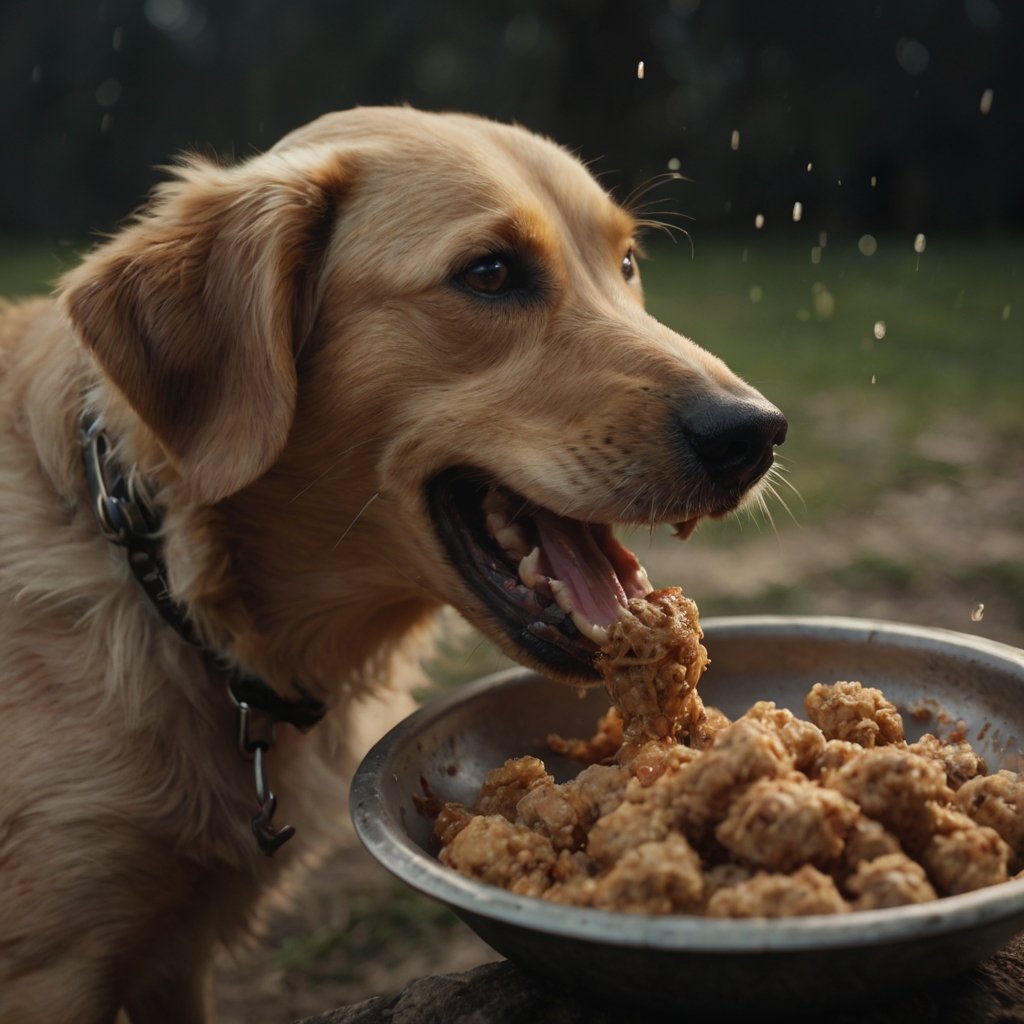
(906, 110)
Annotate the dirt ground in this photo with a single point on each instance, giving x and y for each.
(930, 556)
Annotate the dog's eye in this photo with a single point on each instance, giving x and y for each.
(629, 265)
(490, 276)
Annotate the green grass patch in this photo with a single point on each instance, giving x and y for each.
(32, 267)
(379, 927)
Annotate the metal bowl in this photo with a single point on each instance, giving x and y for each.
(825, 961)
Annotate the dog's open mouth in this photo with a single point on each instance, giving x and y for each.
(553, 584)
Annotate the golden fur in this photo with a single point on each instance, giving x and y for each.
(278, 350)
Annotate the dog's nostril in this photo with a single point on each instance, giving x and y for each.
(734, 441)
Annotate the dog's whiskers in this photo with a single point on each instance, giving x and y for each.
(369, 501)
(330, 468)
(632, 201)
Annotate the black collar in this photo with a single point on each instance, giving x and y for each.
(126, 517)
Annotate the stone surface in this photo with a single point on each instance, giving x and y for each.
(500, 993)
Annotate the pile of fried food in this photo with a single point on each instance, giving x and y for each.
(682, 811)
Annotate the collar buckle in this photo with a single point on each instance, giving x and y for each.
(122, 513)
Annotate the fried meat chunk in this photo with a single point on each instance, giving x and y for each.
(895, 787)
(504, 787)
(632, 823)
(662, 876)
(602, 746)
(866, 840)
(565, 813)
(492, 849)
(651, 664)
(962, 855)
(850, 711)
(998, 802)
(892, 880)
(702, 790)
(804, 740)
(961, 762)
(778, 824)
(806, 891)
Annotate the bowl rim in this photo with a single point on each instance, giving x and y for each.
(381, 832)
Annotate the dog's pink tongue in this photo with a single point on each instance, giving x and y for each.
(575, 557)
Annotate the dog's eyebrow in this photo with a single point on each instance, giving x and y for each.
(520, 230)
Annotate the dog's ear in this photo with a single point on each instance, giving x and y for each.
(195, 311)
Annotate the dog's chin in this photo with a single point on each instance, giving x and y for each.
(550, 586)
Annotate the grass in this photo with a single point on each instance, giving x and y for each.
(32, 267)
(378, 926)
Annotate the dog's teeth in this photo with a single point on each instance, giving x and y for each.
(512, 539)
(642, 581)
(599, 634)
(561, 594)
(528, 571)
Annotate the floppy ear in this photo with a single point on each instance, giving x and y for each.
(195, 310)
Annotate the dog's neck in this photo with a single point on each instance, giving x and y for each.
(126, 517)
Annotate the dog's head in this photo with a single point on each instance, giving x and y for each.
(410, 350)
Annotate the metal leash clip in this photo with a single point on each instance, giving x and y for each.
(255, 737)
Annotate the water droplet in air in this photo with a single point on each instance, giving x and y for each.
(879, 329)
(978, 612)
(867, 245)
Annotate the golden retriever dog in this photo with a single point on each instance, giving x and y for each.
(256, 440)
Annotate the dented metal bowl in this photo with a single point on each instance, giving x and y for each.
(933, 676)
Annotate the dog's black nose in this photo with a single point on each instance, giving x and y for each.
(734, 439)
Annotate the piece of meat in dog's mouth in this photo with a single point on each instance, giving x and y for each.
(553, 584)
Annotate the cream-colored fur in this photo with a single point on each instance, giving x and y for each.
(278, 350)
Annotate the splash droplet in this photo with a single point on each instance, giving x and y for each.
(978, 612)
